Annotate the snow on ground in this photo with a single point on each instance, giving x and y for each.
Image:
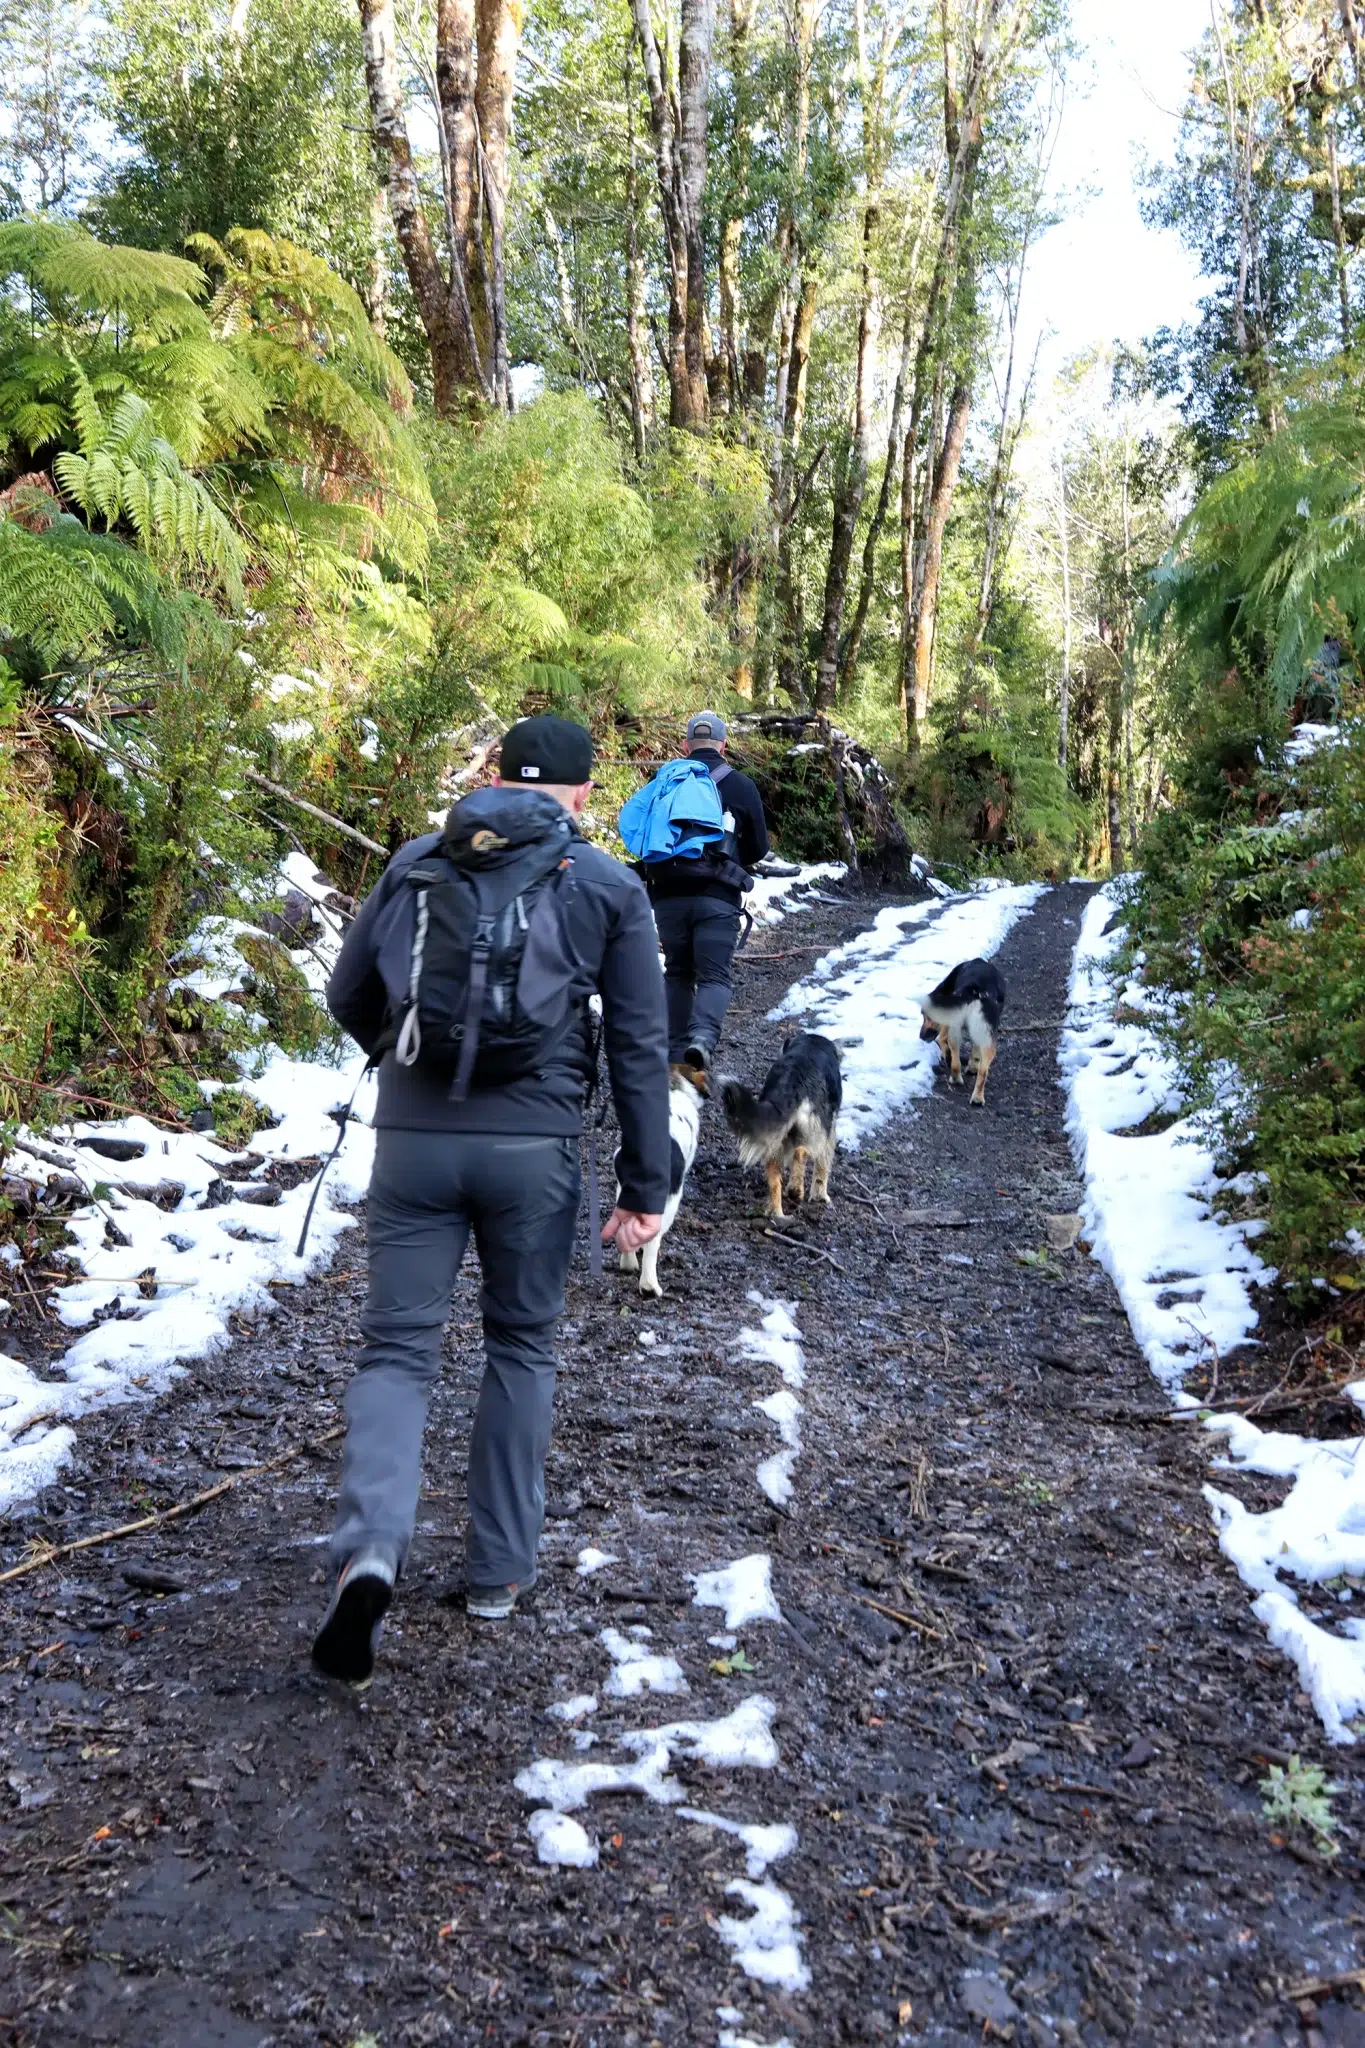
(865, 995)
(788, 886)
(779, 1340)
(1185, 1279)
(744, 1589)
(168, 1248)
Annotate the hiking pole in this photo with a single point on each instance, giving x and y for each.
(342, 1124)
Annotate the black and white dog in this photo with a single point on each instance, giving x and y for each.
(967, 1004)
(686, 1089)
(793, 1118)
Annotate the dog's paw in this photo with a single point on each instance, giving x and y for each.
(651, 1287)
(821, 1195)
(630, 1262)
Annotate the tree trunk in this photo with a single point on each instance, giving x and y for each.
(462, 304)
(637, 310)
(1114, 785)
(852, 481)
(940, 504)
(678, 123)
(731, 313)
(499, 29)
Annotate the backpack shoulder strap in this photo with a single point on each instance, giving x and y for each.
(720, 771)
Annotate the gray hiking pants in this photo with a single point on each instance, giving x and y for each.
(698, 935)
(430, 1189)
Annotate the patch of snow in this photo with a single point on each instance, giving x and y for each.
(762, 1845)
(181, 1273)
(778, 1340)
(1306, 739)
(865, 994)
(560, 1839)
(744, 1589)
(286, 730)
(1317, 1534)
(591, 1560)
(1184, 1278)
(767, 1947)
(638, 1670)
(574, 1709)
(567, 1787)
(775, 896)
(742, 1740)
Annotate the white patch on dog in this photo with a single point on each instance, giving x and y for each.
(684, 1128)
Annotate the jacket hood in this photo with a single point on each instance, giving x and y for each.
(488, 826)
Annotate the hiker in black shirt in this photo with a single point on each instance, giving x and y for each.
(697, 903)
(489, 1151)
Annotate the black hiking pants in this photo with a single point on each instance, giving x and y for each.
(698, 935)
(518, 1197)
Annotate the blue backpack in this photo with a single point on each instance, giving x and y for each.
(676, 816)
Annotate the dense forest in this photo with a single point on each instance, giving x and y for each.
(369, 378)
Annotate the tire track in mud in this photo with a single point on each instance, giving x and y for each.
(1018, 1707)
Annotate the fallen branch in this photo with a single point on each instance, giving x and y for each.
(50, 1553)
(301, 803)
(812, 1251)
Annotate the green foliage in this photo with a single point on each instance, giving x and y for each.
(1271, 561)
(1249, 912)
(257, 121)
(1299, 1798)
(237, 1116)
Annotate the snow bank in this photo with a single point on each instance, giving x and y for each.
(1185, 1280)
(162, 1273)
(865, 995)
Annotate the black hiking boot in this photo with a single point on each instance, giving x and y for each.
(344, 1647)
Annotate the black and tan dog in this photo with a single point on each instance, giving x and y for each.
(968, 1003)
(792, 1120)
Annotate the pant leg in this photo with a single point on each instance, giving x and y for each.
(417, 1229)
(715, 933)
(673, 918)
(523, 1199)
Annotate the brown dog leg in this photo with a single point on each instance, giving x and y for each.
(983, 1069)
(774, 1172)
(796, 1177)
(819, 1187)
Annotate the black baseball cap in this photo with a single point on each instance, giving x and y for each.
(547, 749)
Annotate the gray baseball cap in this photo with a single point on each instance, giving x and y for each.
(705, 725)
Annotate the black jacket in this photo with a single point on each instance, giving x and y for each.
(609, 928)
(740, 798)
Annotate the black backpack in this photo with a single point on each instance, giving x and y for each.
(475, 959)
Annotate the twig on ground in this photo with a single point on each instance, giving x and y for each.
(789, 954)
(50, 1553)
(1314, 1987)
(898, 1614)
(172, 1123)
(812, 1251)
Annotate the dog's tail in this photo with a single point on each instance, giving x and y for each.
(750, 1116)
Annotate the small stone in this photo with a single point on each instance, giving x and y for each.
(987, 2000)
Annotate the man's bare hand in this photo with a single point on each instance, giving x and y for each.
(629, 1229)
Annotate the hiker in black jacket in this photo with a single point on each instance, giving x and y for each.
(697, 903)
(459, 1152)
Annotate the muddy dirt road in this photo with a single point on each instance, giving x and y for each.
(1018, 1702)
